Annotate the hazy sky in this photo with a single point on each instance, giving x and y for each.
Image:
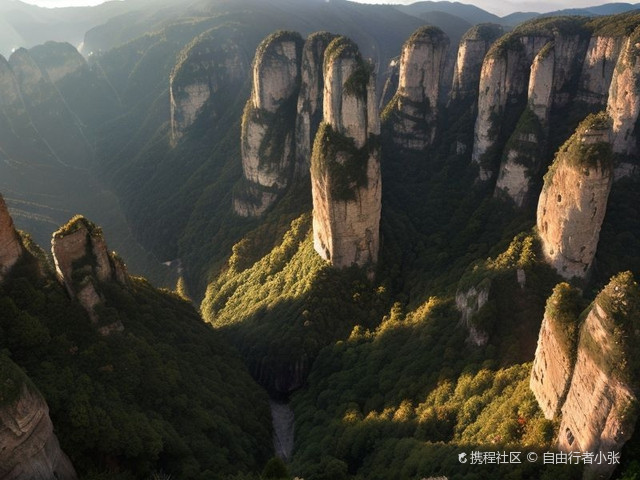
(499, 7)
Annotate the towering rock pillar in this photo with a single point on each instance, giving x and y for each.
(345, 165)
(83, 263)
(10, 245)
(310, 98)
(413, 111)
(601, 407)
(574, 198)
(624, 102)
(474, 45)
(268, 124)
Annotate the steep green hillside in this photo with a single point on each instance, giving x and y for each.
(167, 394)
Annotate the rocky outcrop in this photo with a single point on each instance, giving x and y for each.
(600, 410)
(10, 244)
(556, 351)
(574, 198)
(345, 165)
(624, 97)
(30, 449)
(412, 114)
(212, 68)
(474, 45)
(83, 263)
(310, 98)
(268, 124)
(469, 302)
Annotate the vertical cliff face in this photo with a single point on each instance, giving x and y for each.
(474, 45)
(345, 165)
(211, 69)
(624, 97)
(310, 99)
(597, 69)
(83, 262)
(268, 124)
(413, 111)
(30, 449)
(10, 244)
(391, 83)
(556, 351)
(502, 95)
(601, 406)
(574, 198)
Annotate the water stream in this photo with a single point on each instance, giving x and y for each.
(282, 418)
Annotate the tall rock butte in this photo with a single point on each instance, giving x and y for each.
(212, 68)
(412, 113)
(310, 99)
(473, 47)
(556, 351)
(534, 66)
(587, 377)
(83, 263)
(624, 103)
(345, 165)
(574, 198)
(30, 450)
(268, 124)
(10, 243)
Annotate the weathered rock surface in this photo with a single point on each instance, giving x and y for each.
(555, 353)
(601, 406)
(83, 262)
(211, 69)
(469, 302)
(345, 168)
(414, 109)
(10, 244)
(474, 45)
(573, 201)
(30, 450)
(310, 98)
(624, 97)
(268, 123)
(597, 69)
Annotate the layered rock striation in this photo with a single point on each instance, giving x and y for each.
(268, 124)
(310, 98)
(10, 244)
(574, 198)
(412, 114)
(83, 263)
(345, 165)
(210, 70)
(30, 449)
